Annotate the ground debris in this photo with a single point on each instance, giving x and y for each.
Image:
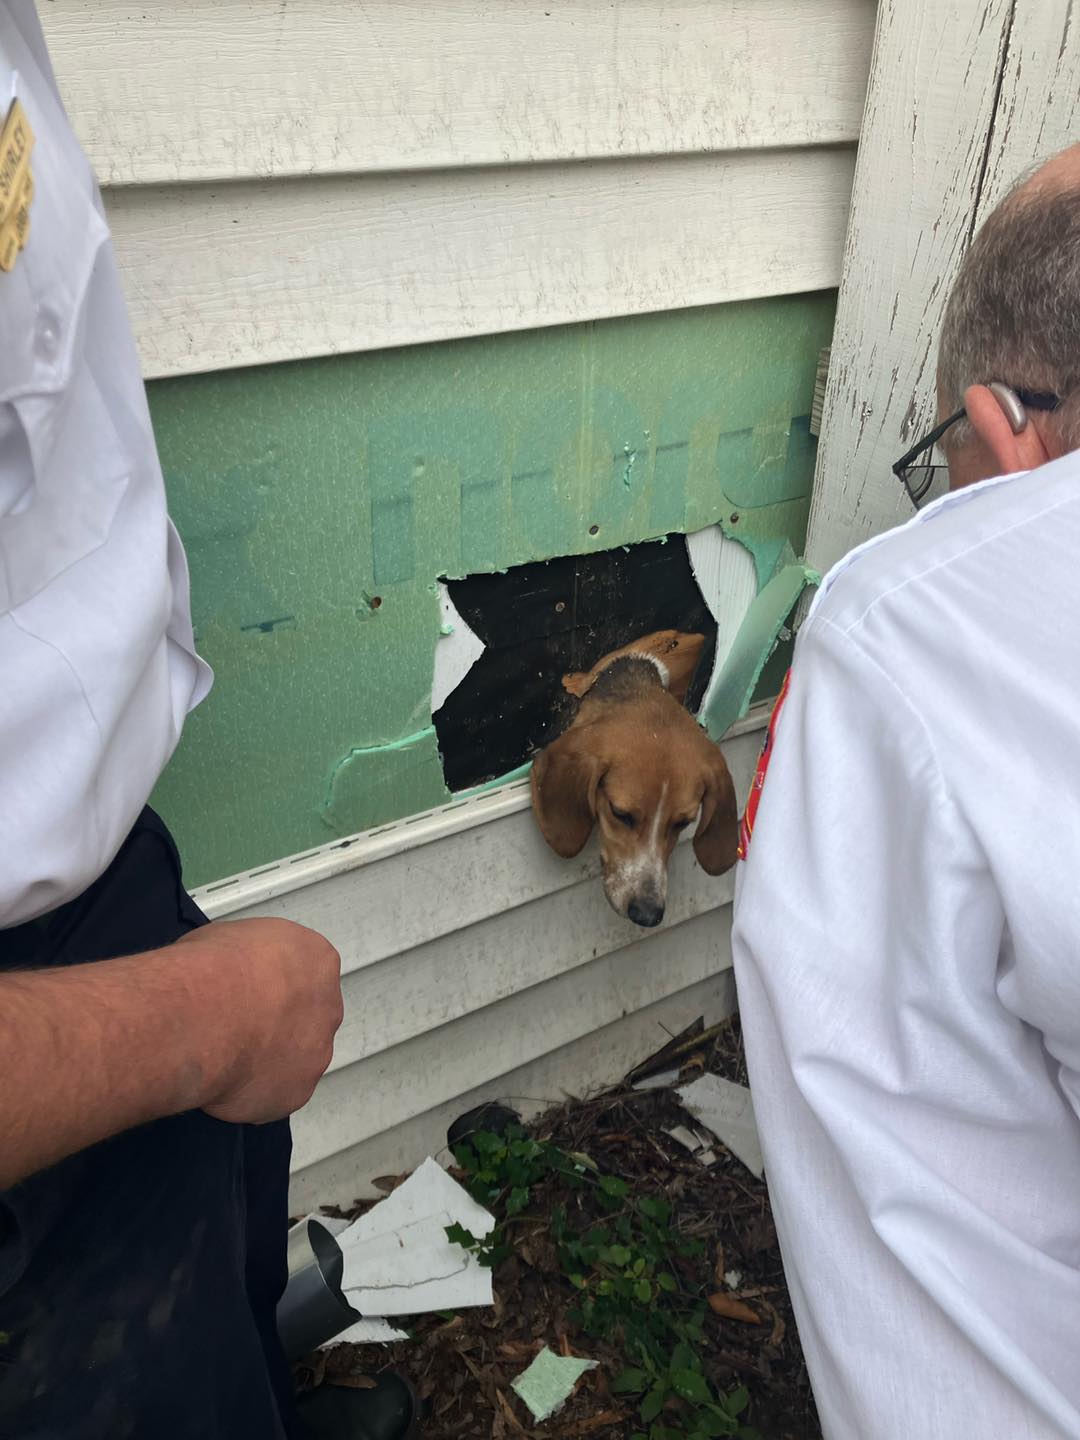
(464, 1367)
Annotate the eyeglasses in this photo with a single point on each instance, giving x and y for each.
(918, 479)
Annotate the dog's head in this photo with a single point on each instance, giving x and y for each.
(642, 771)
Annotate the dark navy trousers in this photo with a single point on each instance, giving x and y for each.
(139, 1278)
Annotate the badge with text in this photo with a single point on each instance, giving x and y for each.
(16, 184)
(754, 798)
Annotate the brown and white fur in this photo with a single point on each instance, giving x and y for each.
(637, 764)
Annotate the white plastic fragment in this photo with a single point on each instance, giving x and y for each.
(398, 1260)
(657, 1082)
(728, 1111)
(697, 1144)
(367, 1332)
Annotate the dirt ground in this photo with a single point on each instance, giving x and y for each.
(463, 1365)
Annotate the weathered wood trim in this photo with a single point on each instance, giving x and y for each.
(963, 99)
(934, 87)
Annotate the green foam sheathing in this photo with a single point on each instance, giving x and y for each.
(320, 501)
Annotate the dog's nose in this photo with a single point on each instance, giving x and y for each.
(645, 912)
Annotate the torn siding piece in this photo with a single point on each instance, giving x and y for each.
(734, 686)
(727, 1110)
(398, 1259)
(727, 577)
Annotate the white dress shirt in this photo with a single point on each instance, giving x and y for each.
(97, 662)
(907, 950)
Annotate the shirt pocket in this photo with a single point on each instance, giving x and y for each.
(70, 466)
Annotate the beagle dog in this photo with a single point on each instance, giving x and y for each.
(638, 765)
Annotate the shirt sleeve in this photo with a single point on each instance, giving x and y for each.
(911, 1135)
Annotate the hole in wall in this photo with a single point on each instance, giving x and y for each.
(538, 621)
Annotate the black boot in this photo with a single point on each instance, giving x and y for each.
(390, 1411)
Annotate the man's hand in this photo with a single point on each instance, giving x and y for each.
(237, 1018)
(280, 988)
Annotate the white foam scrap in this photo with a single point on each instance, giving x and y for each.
(728, 1111)
(398, 1260)
(367, 1332)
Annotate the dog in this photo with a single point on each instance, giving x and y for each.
(637, 764)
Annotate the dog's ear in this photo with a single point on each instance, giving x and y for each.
(716, 840)
(565, 779)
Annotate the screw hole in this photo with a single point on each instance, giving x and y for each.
(375, 602)
(594, 529)
(560, 606)
(734, 519)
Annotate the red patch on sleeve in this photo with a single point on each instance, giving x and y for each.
(754, 798)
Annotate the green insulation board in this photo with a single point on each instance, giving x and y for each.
(321, 500)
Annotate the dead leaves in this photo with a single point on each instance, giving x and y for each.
(730, 1307)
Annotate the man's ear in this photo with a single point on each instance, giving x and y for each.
(565, 779)
(1011, 452)
(716, 840)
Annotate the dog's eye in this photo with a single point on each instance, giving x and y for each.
(624, 817)
(679, 824)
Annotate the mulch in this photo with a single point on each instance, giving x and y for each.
(463, 1366)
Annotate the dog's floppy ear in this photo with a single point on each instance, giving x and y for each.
(565, 779)
(716, 841)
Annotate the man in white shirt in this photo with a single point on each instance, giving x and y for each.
(908, 914)
(142, 1198)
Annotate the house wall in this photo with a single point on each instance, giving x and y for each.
(429, 288)
(935, 158)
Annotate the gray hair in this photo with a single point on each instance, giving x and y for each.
(1014, 312)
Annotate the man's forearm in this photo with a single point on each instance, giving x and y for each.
(91, 1050)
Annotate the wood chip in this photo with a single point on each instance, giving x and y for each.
(388, 1183)
(507, 1410)
(592, 1423)
(730, 1307)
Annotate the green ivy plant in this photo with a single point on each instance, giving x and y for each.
(622, 1260)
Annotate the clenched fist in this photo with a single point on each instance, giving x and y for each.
(276, 989)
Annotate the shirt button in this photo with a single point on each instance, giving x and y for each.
(47, 334)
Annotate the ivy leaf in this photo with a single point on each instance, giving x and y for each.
(616, 1255)
(630, 1382)
(653, 1209)
(737, 1401)
(643, 1292)
(652, 1404)
(667, 1282)
(613, 1186)
(683, 1358)
(458, 1235)
(714, 1423)
(691, 1385)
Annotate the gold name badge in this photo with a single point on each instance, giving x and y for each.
(16, 184)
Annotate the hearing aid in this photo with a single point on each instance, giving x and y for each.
(1011, 406)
